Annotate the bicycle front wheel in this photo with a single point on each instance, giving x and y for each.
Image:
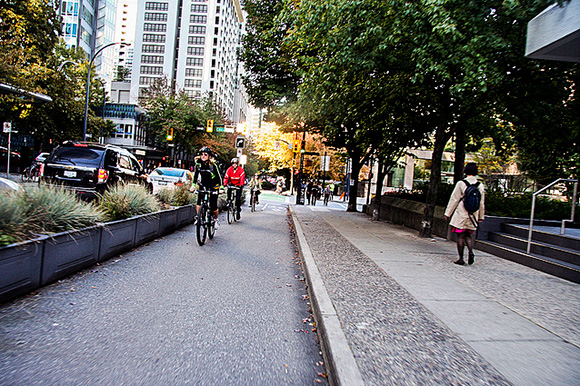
(210, 224)
(201, 226)
(231, 213)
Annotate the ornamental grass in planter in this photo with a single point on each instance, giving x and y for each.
(124, 201)
(45, 210)
(179, 196)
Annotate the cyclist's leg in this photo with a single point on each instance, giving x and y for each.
(213, 206)
(239, 200)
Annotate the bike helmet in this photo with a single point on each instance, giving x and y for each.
(205, 149)
(235, 160)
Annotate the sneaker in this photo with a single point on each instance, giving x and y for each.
(238, 216)
(217, 224)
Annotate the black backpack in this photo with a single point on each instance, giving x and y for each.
(472, 197)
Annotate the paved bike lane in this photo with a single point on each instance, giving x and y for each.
(232, 312)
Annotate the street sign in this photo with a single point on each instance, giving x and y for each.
(219, 129)
(7, 127)
(240, 142)
(238, 153)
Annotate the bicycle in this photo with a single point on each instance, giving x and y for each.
(253, 199)
(205, 224)
(231, 205)
(30, 174)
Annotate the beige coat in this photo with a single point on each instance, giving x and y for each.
(455, 209)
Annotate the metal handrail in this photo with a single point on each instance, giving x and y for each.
(534, 208)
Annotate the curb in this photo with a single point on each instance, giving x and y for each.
(338, 357)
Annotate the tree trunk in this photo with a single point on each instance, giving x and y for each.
(460, 140)
(441, 137)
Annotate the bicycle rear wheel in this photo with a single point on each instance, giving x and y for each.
(201, 226)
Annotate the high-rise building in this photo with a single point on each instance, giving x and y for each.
(125, 33)
(194, 44)
(90, 25)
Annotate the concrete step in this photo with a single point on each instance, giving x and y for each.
(541, 236)
(548, 265)
(538, 248)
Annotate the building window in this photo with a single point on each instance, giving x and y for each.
(198, 19)
(193, 72)
(198, 8)
(151, 70)
(196, 40)
(155, 6)
(191, 94)
(150, 16)
(197, 62)
(151, 38)
(147, 80)
(197, 51)
(197, 30)
(192, 83)
(150, 59)
(153, 49)
(150, 27)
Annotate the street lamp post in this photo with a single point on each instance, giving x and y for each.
(89, 85)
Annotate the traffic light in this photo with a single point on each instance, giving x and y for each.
(209, 127)
(296, 148)
(169, 136)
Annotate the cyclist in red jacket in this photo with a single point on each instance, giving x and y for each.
(236, 176)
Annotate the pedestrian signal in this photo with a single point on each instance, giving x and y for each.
(209, 127)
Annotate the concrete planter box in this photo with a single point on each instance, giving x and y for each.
(184, 215)
(168, 221)
(20, 267)
(410, 214)
(147, 227)
(117, 237)
(69, 252)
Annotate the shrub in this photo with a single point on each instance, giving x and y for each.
(165, 197)
(182, 196)
(15, 224)
(55, 209)
(175, 197)
(44, 210)
(124, 201)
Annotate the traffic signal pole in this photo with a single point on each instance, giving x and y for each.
(300, 192)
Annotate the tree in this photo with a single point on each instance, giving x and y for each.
(270, 77)
(168, 110)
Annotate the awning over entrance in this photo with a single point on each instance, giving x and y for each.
(555, 33)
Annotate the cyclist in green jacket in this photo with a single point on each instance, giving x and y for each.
(207, 175)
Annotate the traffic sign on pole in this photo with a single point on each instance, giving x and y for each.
(7, 127)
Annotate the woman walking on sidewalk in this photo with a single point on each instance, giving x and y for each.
(465, 212)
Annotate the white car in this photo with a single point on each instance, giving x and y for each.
(169, 178)
(6, 184)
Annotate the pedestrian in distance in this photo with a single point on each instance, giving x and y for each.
(236, 176)
(466, 209)
(309, 192)
(207, 174)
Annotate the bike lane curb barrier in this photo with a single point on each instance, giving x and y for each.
(339, 359)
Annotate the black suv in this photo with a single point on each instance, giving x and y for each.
(90, 168)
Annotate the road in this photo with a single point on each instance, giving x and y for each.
(233, 312)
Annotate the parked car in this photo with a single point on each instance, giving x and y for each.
(170, 178)
(90, 168)
(6, 184)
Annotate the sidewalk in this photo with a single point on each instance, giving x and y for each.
(392, 309)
